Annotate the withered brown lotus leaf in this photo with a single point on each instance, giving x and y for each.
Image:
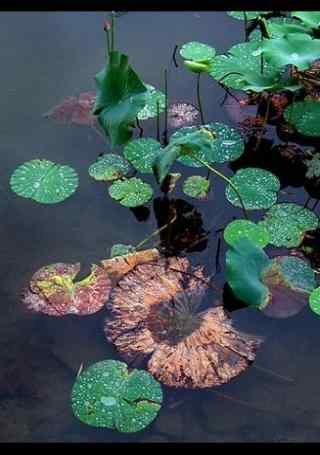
(76, 110)
(52, 290)
(155, 312)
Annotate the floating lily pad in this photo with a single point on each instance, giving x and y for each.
(119, 249)
(197, 56)
(280, 26)
(152, 97)
(107, 395)
(44, 181)
(309, 18)
(250, 14)
(246, 229)
(257, 187)
(131, 192)
(314, 301)
(109, 167)
(196, 186)
(287, 223)
(142, 153)
(202, 148)
(305, 117)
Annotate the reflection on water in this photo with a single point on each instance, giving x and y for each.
(46, 57)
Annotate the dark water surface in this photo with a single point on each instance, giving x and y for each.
(46, 57)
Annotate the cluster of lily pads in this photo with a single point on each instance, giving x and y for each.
(279, 56)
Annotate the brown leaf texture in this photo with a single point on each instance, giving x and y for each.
(155, 313)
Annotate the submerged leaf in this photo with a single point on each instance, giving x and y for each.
(258, 188)
(119, 249)
(287, 223)
(182, 114)
(107, 395)
(305, 117)
(153, 98)
(141, 153)
(246, 229)
(75, 110)
(131, 192)
(44, 181)
(196, 186)
(109, 167)
(52, 290)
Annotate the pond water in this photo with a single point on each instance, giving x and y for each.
(45, 58)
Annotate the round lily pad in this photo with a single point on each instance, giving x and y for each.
(257, 187)
(131, 192)
(196, 186)
(152, 97)
(305, 117)
(107, 395)
(119, 249)
(243, 228)
(314, 301)
(44, 181)
(141, 153)
(250, 14)
(198, 52)
(287, 223)
(109, 167)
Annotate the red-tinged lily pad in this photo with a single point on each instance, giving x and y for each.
(52, 290)
(74, 110)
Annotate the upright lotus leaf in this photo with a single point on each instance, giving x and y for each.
(153, 98)
(258, 188)
(197, 56)
(107, 395)
(305, 117)
(287, 223)
(240, 69)
(313, 166)
(246, 229)
(196, 186)
(280, 26)
(290, 280)
(141, 153)
(109, 167)
(245, 264)
(121, 96)
(119, 249)
(44, 181)
(131, 192)
(74, 110)
(155, 314)
(182, 114)
(314, 301)
(298, 49)
(249, 14)
(309, 18)
(52, 290)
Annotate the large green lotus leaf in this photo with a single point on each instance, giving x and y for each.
(196, 186)
(242, 60)
(280, 26)
(198, 56)
(246, 229)
(309, 18)
(119, 249)
(305, 117)
(245, 263)
(141, 153)
(250, 14)
(298, 49)
(44, 181)
(107, 395)
(287, 223)
(257, 187)
(131, 192)
(314, 301)
(109, 167)
(152, 97)
(290, 281)
(313, 167)
(120, 97)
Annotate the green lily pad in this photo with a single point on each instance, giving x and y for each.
(280, 26)
(141, 153)
(197, 56)
(119, 249)
(309, 18)
(201, 152)
(109, 167)
(250, 14)
(131, 192)
(287, 223)
(196, 186)
(298, 49)
(152, 97)
(305, 117)
(257, 187)
(314, 301)
(107, 395)
(44, 181)
(246, 229)
(313, 167)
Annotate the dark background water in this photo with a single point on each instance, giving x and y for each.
(46, 57)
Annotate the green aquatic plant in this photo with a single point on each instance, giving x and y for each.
(304, 116)
(141, 153)
(109, 167)
(44, 181)
(155, 103)
(119, 249)
(108, 395)
(314, 301)
(313, 167)
(309, 18)
(197, 56)
(248, 15)
(132, 192)
(238, 229)
(281, 26)
(196, 187)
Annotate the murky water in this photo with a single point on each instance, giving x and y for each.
(44, 58)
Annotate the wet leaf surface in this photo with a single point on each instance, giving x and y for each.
(304, 116)
(141, 153)
(153, 98)
(131, 192)
(109, 167)
(196, 187)
(246, 229)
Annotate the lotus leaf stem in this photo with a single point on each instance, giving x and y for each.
(199, 99)
(158, 231)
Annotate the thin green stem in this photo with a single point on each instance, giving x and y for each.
(226, 179)
(245, 20)
(158, 121)
(158, 231)
(108, 43)
(112, 31)
(199, 99)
